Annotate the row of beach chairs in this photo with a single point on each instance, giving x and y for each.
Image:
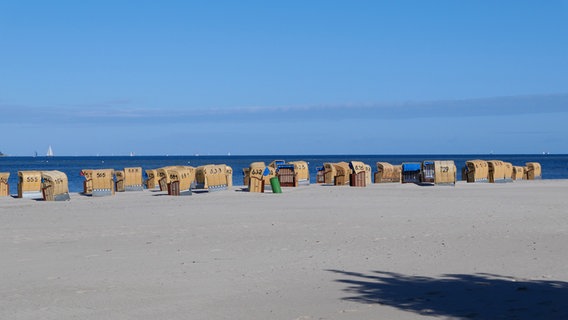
(176, 180)
(181, 180)
(49, 185)
(499, 171)
(358, 174)
(288, 174)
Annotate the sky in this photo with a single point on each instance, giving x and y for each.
(283, 77)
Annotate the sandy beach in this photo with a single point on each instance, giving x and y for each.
(387, 251)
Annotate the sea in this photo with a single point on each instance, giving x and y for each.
(554, 166)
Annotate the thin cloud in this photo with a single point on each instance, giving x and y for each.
(123, 111)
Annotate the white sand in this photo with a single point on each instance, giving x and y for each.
(317, 252)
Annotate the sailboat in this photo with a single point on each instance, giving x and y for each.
(49, 152)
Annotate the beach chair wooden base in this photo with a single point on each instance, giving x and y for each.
(358, 179)
(174, 190)
(217, 188)
(101, 192)
(34, 195)
(134, 188)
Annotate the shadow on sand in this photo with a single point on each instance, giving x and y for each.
(477, 296)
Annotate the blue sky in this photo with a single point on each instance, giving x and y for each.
(283, 77)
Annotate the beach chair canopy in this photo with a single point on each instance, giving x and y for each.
(276, 163)
(329, 172)
(211, 176)
(477, 170)
(368, 174)
(342, 168)
(496, 170)
(387, 172)
(508, 170)
(357, 166)
(55, 185)
(533, 170)
(411, 167)
(518, 173)
(153, 179)
(4, 176)
(301, 169)
(445, 172)
(257, 169)
(4, 186)
(184, 175)
(133, 177)
(260, 175)
(29, 184)
(229, 174)
(103, 178)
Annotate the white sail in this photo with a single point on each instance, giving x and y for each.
(49, 152)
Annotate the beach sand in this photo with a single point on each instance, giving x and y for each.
(387, 251)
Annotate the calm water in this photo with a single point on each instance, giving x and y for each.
(553, 166)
